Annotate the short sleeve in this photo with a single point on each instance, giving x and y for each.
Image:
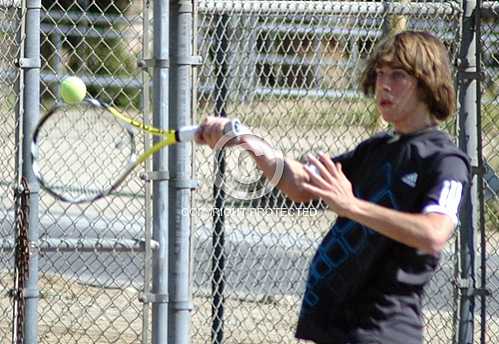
(449, 183)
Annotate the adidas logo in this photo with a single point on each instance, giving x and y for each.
(410, 179)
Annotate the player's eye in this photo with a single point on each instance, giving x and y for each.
(399, 75)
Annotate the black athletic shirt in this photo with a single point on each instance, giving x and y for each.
(363, 287)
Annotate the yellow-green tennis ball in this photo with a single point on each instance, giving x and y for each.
(73, 90)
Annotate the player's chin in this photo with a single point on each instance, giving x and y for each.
(390, 114)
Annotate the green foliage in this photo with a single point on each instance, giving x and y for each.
(106, 58)
(109, 58)
(90, 6)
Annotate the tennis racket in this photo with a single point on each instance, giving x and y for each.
(83, 152)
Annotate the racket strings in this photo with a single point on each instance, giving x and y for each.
(82, 150)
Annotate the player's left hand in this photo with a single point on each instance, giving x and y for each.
(332, 186)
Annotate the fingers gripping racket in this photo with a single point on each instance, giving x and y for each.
(83, 152)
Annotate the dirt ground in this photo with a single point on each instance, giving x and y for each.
(71, 312)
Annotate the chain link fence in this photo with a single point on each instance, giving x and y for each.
(287, 69)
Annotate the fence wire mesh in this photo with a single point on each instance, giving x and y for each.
(10, 48)
(287, 69)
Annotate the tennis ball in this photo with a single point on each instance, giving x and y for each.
(73, 90)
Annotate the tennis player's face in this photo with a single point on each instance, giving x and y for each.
(397, 97)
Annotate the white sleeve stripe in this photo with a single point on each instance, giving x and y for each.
(450, 195)
(458, 190)
(444, 193)
(448, 201)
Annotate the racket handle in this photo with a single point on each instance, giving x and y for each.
(314, 169)
(187, 133)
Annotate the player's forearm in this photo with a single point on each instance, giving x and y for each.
(426, 232)
(288, 173)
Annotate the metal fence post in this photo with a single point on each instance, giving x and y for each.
(469, 137)
(146, 106)
(161, 13)
(218, 237)
(30, 63)
(180, 305)
(482, 292)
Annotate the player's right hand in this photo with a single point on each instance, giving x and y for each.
(211, 130)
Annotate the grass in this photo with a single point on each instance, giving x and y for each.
(301, 113)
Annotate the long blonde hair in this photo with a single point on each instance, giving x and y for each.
(425, 57)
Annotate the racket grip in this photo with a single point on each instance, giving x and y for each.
(186, 133)
(314, 169)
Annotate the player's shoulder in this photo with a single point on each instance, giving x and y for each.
(379, 138)
(440, 153)
(436, 144)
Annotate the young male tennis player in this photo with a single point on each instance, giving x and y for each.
(396, 194)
